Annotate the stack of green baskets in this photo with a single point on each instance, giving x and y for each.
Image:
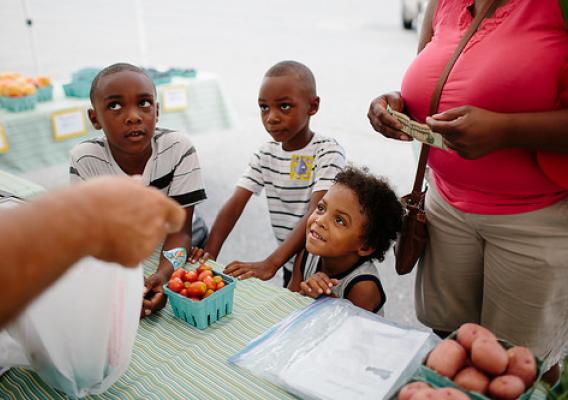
(80, 85)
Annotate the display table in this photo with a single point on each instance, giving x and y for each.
(187, 104)
(172, 360)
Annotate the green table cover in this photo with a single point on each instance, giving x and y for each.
(173, 360)
(30, 137)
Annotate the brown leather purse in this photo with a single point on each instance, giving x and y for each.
(411, 241)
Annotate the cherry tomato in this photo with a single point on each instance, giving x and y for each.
(178, 273)
(176, 284)
(209, 282)
(203, 274)
(204, 267)
(196, 289)
(190, 276)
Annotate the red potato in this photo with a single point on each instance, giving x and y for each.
(450, 394)
(522, 364)
(447, 358)
(408, 390)
(489, 356)
(467, 333)
(426, 394)
(506, 387)
(471, 378)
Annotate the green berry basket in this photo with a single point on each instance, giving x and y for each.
(207, 311)
(184, 73)
(79, 89)
(19, 104)
(45, 93)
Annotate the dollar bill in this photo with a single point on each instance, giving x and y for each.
(418, 131)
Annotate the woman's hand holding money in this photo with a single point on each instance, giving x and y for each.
(382, 121)
(470, 131)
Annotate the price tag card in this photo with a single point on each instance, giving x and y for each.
(174, 98)
(67, 124)
(3, 141)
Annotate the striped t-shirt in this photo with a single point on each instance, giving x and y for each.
(290, 178)
(173, 167)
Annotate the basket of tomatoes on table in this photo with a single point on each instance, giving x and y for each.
(200, 296)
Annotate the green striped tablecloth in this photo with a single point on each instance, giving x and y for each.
(173, 360)
(19, 187)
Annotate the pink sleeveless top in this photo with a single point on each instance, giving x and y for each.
(516, 62)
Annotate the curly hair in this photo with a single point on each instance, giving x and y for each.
(380, 205)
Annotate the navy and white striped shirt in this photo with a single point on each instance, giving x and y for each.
(173, 167)
(290, 178)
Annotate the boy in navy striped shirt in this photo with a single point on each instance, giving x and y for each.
(125, 107)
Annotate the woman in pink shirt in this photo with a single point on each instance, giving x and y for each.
(498, 227)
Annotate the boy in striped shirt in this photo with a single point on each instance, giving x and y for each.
(125, 107)
(295, 168)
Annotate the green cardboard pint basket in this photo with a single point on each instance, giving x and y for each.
(207, 311)
(77, 89)
(19, 104)
(45, 93)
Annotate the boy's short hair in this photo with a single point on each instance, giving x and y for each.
(112, 69)
(303, 73)
(380, 205)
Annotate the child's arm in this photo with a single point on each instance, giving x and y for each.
(319, 284)
(295, 241)
(226, 220)
(294, 284)
(366, 294)
(154, 297)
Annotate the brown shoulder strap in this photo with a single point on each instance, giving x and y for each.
(489, 6)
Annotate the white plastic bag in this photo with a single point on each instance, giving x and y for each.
(335, 350)
(78, 335)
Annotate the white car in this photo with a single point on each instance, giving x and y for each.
(413, 13)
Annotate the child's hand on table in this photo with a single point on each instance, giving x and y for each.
(198, 254)
(317, 285)
(154, 296)
(263, 270)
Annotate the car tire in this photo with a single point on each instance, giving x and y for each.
(406, 24)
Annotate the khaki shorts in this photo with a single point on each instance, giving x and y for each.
(506, 272)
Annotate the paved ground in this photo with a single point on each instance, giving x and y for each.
(356, 50)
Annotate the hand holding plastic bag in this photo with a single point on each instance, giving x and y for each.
(78, 336)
